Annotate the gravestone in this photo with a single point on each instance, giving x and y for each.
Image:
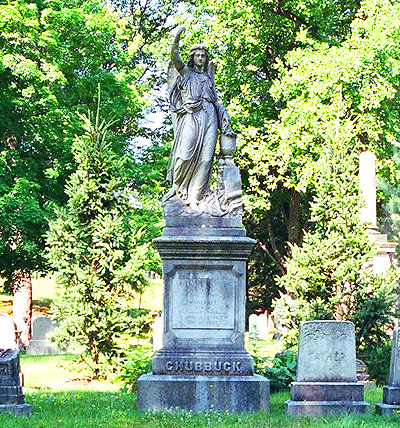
(12, 399)
(391, 392)
(258, 326)
(253, 326)
(42, 329)
(7, 332)
(326, 381)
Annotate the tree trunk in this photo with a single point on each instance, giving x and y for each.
(22, 306)
(294, 231)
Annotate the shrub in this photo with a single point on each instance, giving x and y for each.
(282, 371)
(137, 364)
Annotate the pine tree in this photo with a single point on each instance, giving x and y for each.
(330, 276)
(94, 249)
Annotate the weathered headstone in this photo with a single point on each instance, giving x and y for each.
(258, 326)
(42, 328)
(391, 392)
(253, 326)
(7, 332)
(12, 399)
(326, 380)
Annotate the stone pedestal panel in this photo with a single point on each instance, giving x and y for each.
(203, 393)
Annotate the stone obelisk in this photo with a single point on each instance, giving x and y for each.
(383, 257)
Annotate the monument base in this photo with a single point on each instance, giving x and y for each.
(325, 408)
(384, 409)
(391, 394)
(326, 398)
(391, 401)
(16, 409)
(203, 393)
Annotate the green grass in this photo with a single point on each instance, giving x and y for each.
(94, 409)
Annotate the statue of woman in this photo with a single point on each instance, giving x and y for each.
(197, 116)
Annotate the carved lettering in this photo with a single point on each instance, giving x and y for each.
(236, 366)
(203, 366)
(227, 366)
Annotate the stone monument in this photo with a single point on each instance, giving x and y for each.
(326, 380)
(202, 365)
(383, 258)
(391, 392)
(11, 397)
(42, 329)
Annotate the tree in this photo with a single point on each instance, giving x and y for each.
(52, 57)
(94, 248)
(282, 67)
(330, 276)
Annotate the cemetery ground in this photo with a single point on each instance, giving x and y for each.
(62, 395)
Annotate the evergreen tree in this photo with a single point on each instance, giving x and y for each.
(330, 276)
(93, 246)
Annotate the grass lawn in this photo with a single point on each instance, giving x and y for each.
(94, 409)
(65, 399)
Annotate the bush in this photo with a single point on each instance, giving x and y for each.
(137, 364)
(283, 369)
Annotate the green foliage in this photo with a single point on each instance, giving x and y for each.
(52, 57)
(373, 319)
(95, 250)
(281, 372)
(291, 72)
(137, 364)
(329, 276)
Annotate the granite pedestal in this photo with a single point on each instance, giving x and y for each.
(11, 397)
(203, 365)
(390, 405)
(326, 381)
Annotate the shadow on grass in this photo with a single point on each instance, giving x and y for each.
(94, 409)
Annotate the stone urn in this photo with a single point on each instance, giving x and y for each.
(228, 147)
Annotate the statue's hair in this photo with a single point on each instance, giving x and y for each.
(195, 48)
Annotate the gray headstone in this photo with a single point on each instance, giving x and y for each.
(42, 329)
(326, 380)
(7, 332)
(253, 326)
(327, 352)
(11, 397)
(391, 392)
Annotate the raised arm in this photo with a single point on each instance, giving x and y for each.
(178, 63)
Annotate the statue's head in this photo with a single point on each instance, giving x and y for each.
(198, 56)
